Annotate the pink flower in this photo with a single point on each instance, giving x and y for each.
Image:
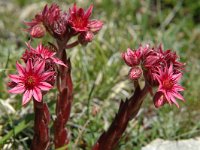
(168, 85)
(172, 57)
(41, 53)
(131, 58)
(54, 20)
(31, 80)
(79, 19)
(47, 55)
(28, 54)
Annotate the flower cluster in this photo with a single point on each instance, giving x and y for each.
(159, 68)
(41, 70)
(64, 25)
(37, 75)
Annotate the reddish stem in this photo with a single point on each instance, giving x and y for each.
(127, 110)
(41, 131)
(72, 45)
(65, 98)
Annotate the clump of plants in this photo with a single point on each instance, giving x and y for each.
(46, 66)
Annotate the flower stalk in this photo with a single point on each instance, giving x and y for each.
(41, 139)
(159, 69)
(64, 100)
(127, 111)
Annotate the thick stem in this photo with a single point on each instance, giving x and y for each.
(127, 110)
(41, 131)
(65, 98)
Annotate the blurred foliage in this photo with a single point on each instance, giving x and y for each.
(99, 75)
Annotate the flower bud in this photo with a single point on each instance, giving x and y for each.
(131, 58)
(135, 73)
(11, 84)
(159, 99)
(85, 37)
(38, 31)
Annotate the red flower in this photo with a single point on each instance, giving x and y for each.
(51, 14)
(31, 80)
(50, 19)
(168, 85)
(159, 68)
(79, 19)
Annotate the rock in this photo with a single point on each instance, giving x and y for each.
(160, 144)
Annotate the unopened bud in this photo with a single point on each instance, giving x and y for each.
(131, 57)
(159, 99)
(135, 73)
(11, 84)
(38, 31)
(85, 37)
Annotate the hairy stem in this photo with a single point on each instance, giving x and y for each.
(127, 110)
(41, 139)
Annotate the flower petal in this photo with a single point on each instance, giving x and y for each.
(58, 61)
(15, 78)
(29, 65)
(20, 69)
(46, 75)
(174, 101)
(17, 89)
(37, 94)
(27, 96)
(45, 86)
(178, 88)
(167, 96)
(40, 67)
(88, 12)
(178, 95)
(177, 77)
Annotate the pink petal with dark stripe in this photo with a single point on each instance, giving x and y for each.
(17, 89)
(15, 78)
(88, 12)
(179, 96)
(58, 61)
(37, 94)
(20, 69)
(29, 66)
(40, 67)
(27, 96)
(46, 75)
(44, 86)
